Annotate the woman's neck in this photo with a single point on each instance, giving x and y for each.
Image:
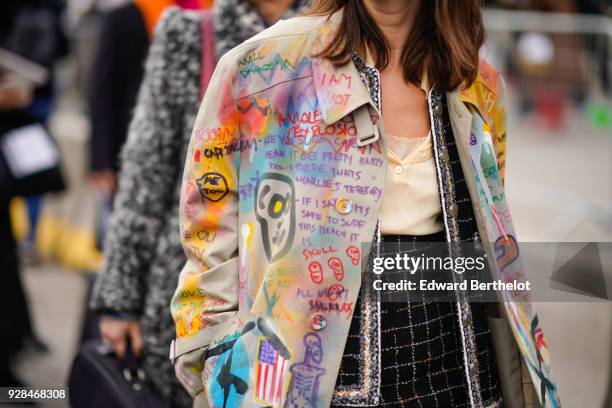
(272, 10)
(394, 18)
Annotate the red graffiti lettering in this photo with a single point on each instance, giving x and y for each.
(311, 253)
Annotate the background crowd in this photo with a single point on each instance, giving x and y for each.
(71, 74)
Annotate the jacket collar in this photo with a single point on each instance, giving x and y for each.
(340, 92)
(463, 103)
(481, 96)
(339, 89)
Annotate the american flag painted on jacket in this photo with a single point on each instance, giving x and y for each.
(269, 372)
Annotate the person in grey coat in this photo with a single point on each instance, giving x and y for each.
(143, 254)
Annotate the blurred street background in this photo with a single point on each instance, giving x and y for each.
(556, 57)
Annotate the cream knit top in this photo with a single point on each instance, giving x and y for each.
(411, 200)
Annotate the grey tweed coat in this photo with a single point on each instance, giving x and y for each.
(143, 255)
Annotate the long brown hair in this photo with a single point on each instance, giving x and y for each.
(445, 39)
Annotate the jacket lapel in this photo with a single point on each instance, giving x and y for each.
(339, 90)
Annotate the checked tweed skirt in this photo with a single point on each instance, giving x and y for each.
(409, 353)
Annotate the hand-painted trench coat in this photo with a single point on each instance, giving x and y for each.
(283, 183)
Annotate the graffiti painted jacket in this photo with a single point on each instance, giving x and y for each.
(283, 182)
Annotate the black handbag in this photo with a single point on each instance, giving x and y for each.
(46, 179)
(98, 379)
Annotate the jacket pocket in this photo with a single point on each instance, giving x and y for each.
(225, 350)
(189, 361)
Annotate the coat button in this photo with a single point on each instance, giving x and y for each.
(399, 169)
(318, 322)
(344, 206)
(444, 156)
(453, 210)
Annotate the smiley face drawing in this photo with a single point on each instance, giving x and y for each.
(275, 212)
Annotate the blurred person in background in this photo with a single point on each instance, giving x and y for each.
(143, 254)
(15, 323)
(32, 30)
(115, 80)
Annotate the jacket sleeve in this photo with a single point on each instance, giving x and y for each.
(148, 177)
(500, 129)
(207, 294)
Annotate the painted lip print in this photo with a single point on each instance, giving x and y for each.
(277, 198)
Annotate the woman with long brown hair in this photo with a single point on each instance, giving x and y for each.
(363, 122)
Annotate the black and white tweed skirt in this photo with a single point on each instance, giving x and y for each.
(409, 353)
